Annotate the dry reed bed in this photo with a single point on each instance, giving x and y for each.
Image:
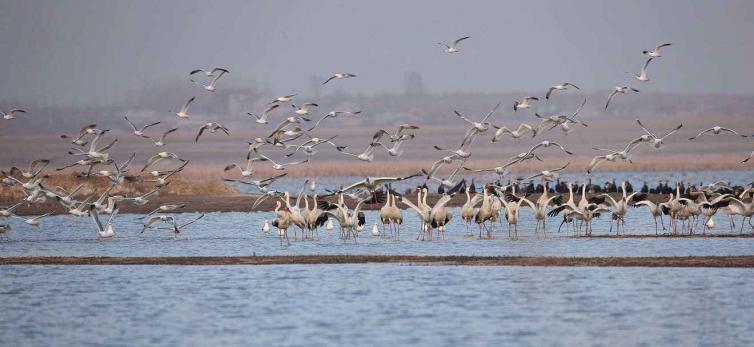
(180, 185)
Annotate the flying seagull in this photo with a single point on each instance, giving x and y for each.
(655, 53)
(11, 114)
(210, 72)
(140, 132)
(562, 86)
(616, 90)
(454, 47)
(183, 113)
(339, 76)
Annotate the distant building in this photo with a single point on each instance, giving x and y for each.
(413, 83)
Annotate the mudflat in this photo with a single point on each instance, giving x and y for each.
(711, 261)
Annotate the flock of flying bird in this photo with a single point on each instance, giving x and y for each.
(495, 200)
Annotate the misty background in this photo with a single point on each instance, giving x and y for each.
(69, 62)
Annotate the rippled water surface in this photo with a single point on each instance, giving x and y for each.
(375, 305)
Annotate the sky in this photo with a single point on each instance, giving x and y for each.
(95, 52)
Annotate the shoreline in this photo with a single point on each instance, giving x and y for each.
(704, 261)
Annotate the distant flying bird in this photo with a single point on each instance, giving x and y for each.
(210, 72)
(616, 90)
(34, 221)
(546, 144)
(654, 140)
(304, 109)
(599, 159)
(211, 127)
(103, 231)
(279, 166)
(248, 171)
(183, 113)
(367, 155)
(139, 200)
(166, 208)
(715, 130)
(642, 75)
(79, 139)
(398, 135)
(160, 156)
(522, 129)
(549, 175)
(749, 157)
(11, 114)
(154, 219)
(523, 103)
(212, 86)
(286, 122)
(261, 184)
(140, 132)
(562, 86)
(339, 76)
(284, 98)
(655, 53)
(161, 141)
(176, 228)
(263, 118)
(333, 114)
(454, 47)
(35, 168)
(476, 127)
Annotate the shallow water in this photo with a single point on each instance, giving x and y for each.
(375, 304)
(238, 233)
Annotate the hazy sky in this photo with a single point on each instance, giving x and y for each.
(96, 51)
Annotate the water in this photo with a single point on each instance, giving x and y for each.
(375, 305)
(238, 233)
(370, 304)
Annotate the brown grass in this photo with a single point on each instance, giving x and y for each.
(179, 185)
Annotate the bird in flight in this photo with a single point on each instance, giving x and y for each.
(453, 48)
(339, 76)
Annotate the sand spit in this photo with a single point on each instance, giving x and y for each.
(712, 261)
